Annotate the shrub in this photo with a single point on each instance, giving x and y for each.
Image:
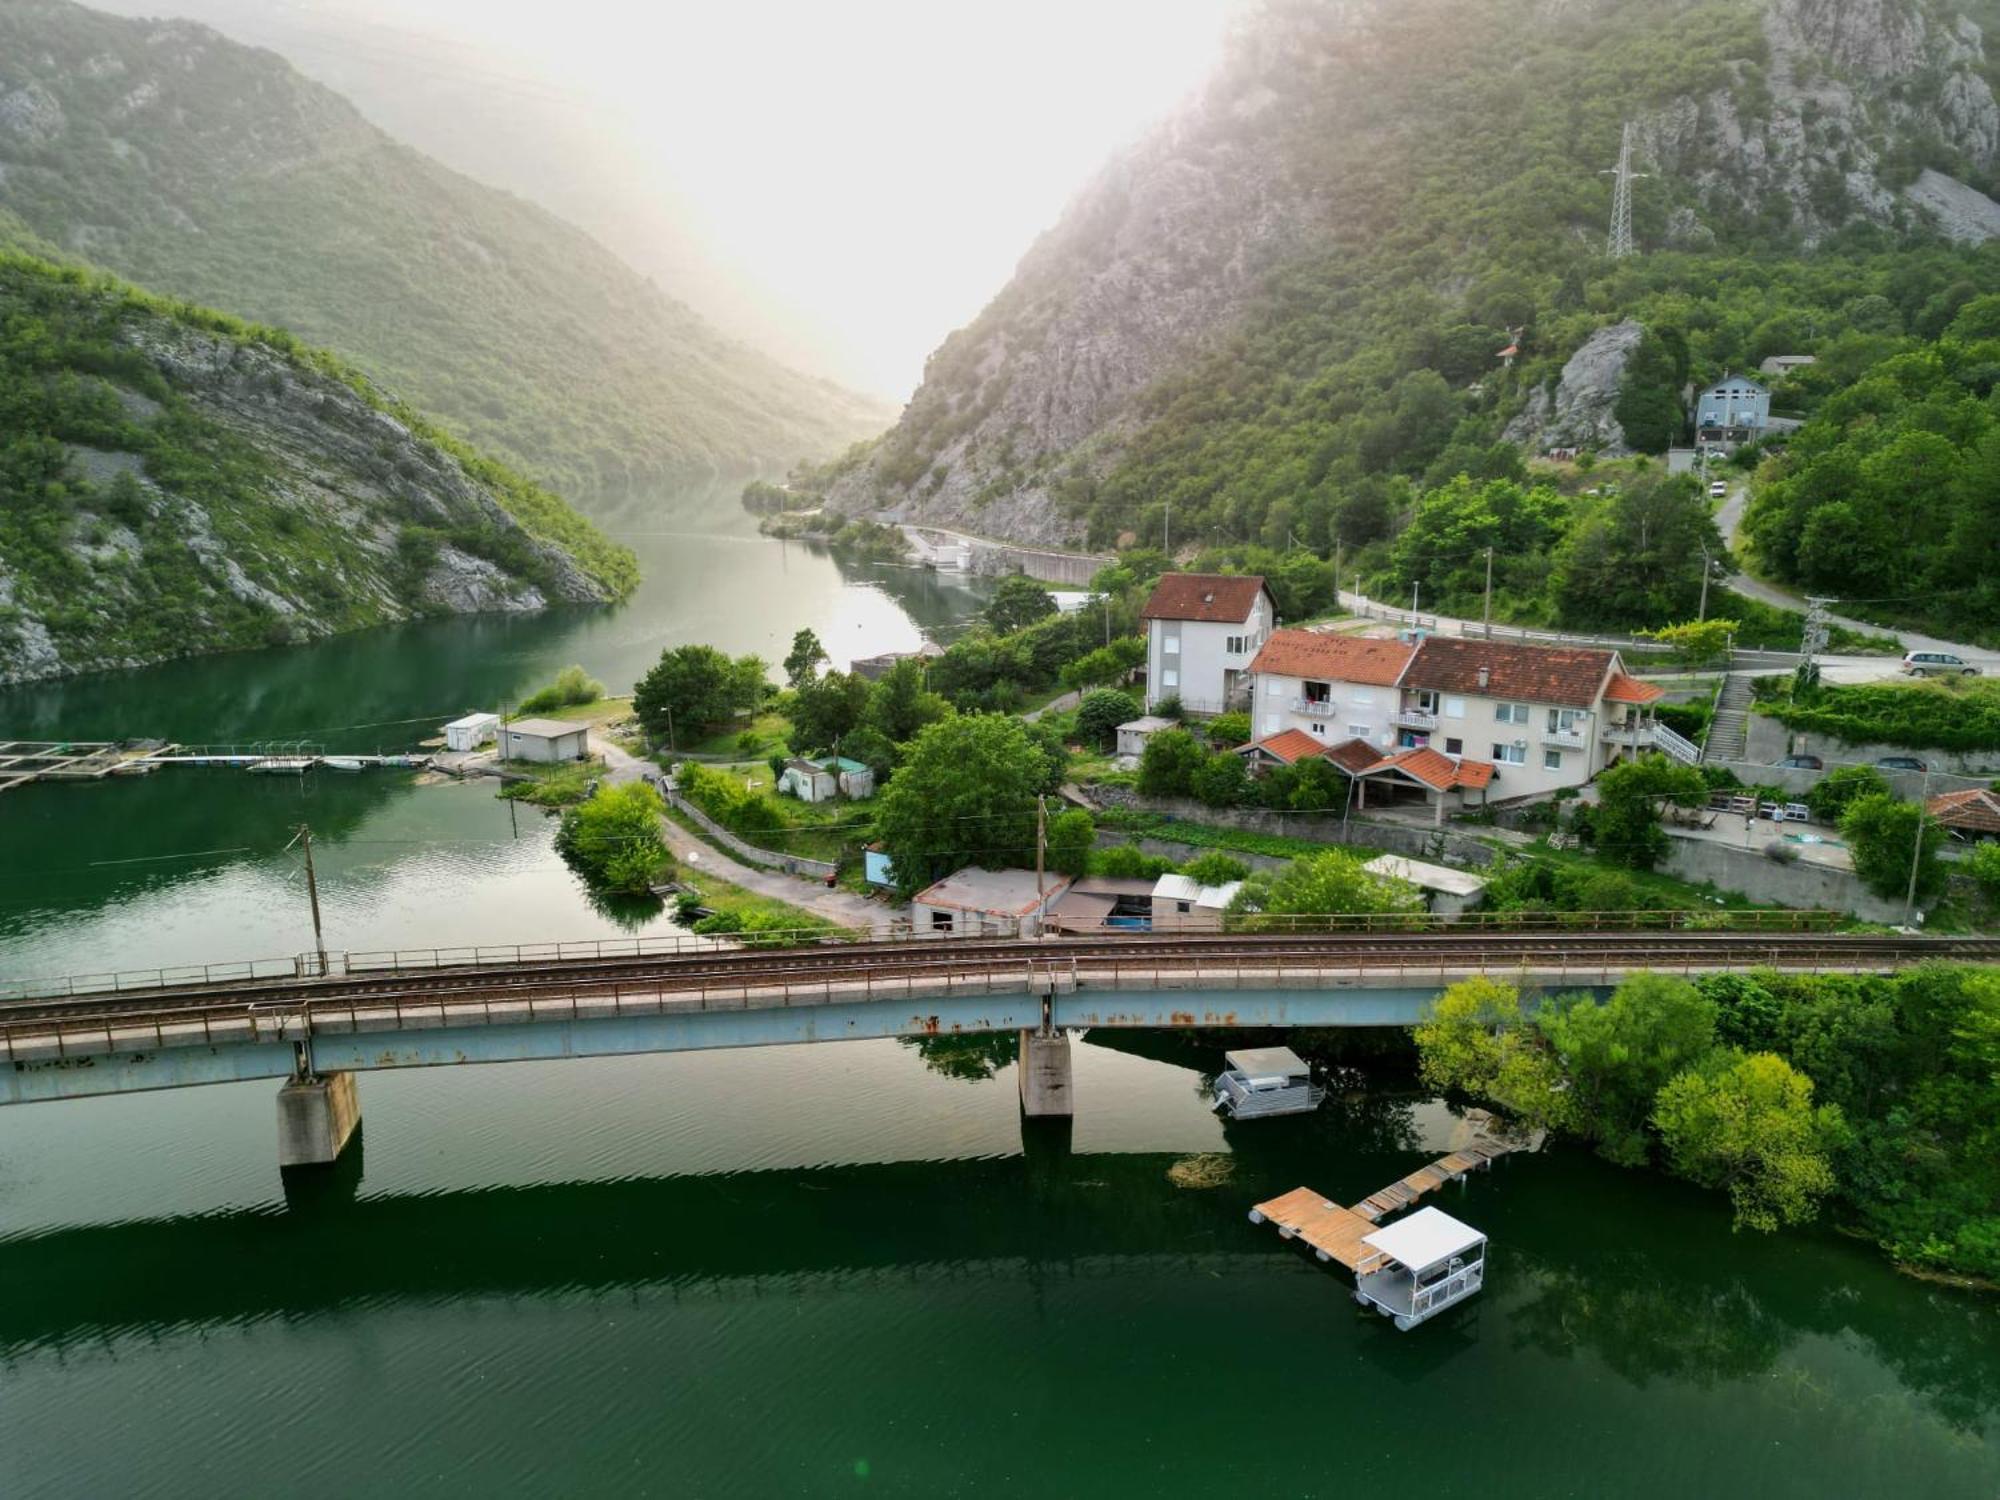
(572, 686)
(1227, 731)
(1985, 867)
(1884, 838)
(1215, 868)
(1100, 713)
(1168, 766)
(614, 841)
(1129, 862)
(1832, 794)
(1222, 780)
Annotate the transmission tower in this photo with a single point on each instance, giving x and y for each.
(1812, 641)
(1619, 244)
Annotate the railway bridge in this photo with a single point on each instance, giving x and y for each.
(316, 1022)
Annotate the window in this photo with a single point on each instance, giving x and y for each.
(1182, 907)
(1170, 677)
(1457, 747)
(1172, 644)
(1270, 723)
(1276, 689)
(1563, 720)
(1454, 708)
(1552, 760)
(1427, 701)
(1319, 692)
(1362, 731)
(1511, 755)
(1318, 731)
(1234, 645)
(1510, 713)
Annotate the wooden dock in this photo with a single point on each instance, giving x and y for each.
(24, 761)
(1335, 1233)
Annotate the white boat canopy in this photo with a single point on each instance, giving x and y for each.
(1426, 1238)
(1267, 1062)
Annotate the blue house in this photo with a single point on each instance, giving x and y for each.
(1735, 409)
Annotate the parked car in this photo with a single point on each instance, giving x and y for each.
(1718, 491)
(1938, 664)
(1901, 763)
(1801, 763)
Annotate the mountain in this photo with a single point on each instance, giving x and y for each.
(204, 169)
(175, 481)
(1287, 306)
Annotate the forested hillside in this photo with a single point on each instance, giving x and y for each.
(174, 481)
(204, 169)
(1284, 317)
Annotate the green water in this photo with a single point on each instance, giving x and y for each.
(810, 1270)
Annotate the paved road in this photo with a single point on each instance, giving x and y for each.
(844, 907)
(1729, 517)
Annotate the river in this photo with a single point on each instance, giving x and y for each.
(812, 1270)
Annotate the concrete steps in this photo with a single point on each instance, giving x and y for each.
(1729, 735)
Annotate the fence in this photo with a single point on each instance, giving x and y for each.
(795, 864)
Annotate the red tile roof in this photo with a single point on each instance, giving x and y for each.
(1354, 756)
(1435, 770)
(1289, 748)
(1567, 675)
(1214, 598)
(1973, 811)
(1625, 689)
(1335, 658)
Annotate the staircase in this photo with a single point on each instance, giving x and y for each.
(1729, 735)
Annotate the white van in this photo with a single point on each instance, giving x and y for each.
(1938, 664)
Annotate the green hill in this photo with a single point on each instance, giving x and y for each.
(213, 171)
(174, 481)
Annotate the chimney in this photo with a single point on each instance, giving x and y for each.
(1485, 677)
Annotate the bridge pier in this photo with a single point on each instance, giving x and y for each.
(316, 1116)
(1044, 1073)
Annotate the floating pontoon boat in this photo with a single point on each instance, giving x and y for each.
(1266, 1081)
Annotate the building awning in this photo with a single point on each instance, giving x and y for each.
(1433, 769)
(1287, 748)
(1626, 689)
(1974, 811)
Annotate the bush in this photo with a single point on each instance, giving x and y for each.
(1129, 862)
(1215, 868)
(1167, 768)
(572, 686)
(1832, 794)
(1227, 731)
(1985, 867)
(1883, 837)
(614, 841)
(1222, 780)
(1950, 713)
(1100, 713)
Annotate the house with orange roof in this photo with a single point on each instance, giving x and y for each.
(1202, 632)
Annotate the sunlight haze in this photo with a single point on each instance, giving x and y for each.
(844, 202)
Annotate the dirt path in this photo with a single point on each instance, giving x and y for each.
(843, 907)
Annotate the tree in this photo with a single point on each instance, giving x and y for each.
(1215, 868)
(1107, 664)
(803, 660)
(1697, 643)
(965, 795)
(1221, 780)
(1625, 825)
(1746, 1123)
(1227, 731)
(899, 705)
(1072, 836)
(1017, 603)
(1882, 837)
(572, 685)
(1171, 758)
(613, 840)
(1831, 796)
(871, 747)
(1476, 1041)
(825, 709)
(1333, 883)
(1617, 1055)
(692, 690)
(1100, 713)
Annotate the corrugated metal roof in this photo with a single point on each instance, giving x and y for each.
(547, 729)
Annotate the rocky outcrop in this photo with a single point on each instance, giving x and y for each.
(1963, 213)
(1579, 411)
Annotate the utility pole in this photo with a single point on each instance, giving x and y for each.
(1702, 613)
(1041, 847)
(1813, 641)
(1917, 848)
(1167, 530)
(1415, 585)
(1486, 619)
(304, 838)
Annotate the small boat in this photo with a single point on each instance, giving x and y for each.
(341, 763)
(1266, 1081)
(282, 765)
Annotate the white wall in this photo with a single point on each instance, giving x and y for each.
(1203, 659)
(1347, 715)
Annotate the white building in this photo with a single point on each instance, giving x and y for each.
(544, 740)
(1735, 409)
(1181, 904)
(1780, 365)
(472, 731)
(1202, 632)
(1332, 687)
(1133, 734)
(986, 903)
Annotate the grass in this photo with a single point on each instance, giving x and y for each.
(1209, 836)
(560, 785)
(772, 732)
(596, 711)
(719, 895)
(1660, 892)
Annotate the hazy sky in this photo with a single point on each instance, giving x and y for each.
(842, 181)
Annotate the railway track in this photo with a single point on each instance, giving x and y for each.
(1103, 958)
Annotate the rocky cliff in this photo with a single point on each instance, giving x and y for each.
(201, 168)
(1375, 239)
(171, 482)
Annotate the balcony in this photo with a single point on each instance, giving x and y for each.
(1414, 718)
(1319, 708)
(1566, 739)
(1634, 736)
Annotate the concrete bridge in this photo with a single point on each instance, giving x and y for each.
(317, 1031)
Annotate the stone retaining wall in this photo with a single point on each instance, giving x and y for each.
(795, 864)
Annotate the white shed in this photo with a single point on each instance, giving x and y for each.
(1181, 904)
(986, 903)
(1446, 891)
(1132, 736)
(544, 740)
(472, 731)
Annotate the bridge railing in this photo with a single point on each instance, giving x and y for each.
(307, 966)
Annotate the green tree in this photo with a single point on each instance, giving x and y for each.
(964, 796)
(1221, 780)
(1697, 643)
(1617, 1055)
(1109, 664)
(1625, 825)
(1227, 731)
(1100, 713)
(613, 840)
(1167, 767)
(1830, 797)
(1476, 1041)
(572, 686)
(1747, 1124)
(1884, 837)
(1333, 883)
(1017, 603)
(802, 662)
(693, 690)
(1072, 837)
(1215, 868)
(900, 705)
(827, 708)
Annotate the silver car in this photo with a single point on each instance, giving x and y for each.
(1938, 664)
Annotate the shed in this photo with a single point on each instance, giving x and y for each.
(851, 776)
(1447, 891)
(986, 903)
(1100, 902)
(544, 740)
(1181, 904)
(472, 731)
(808, 781)
(1132, 736)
